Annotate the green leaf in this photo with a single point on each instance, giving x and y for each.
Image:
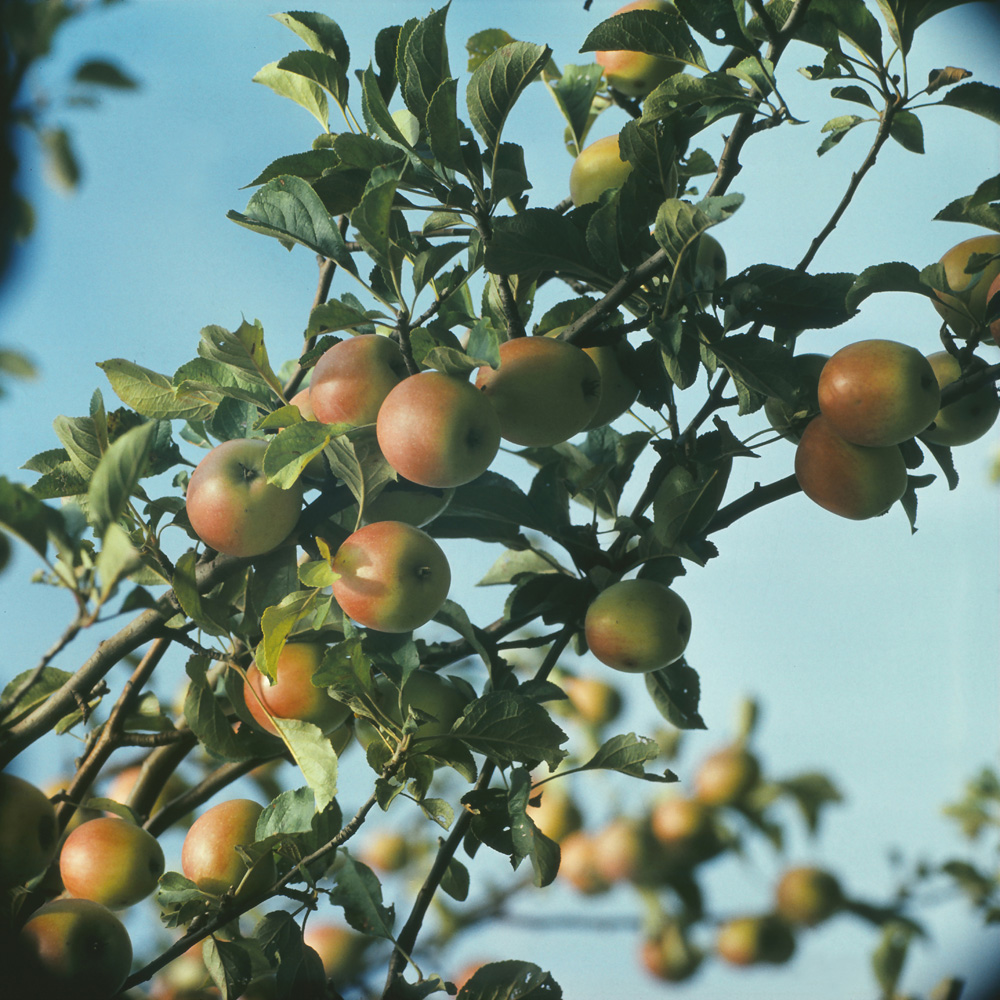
(153, 395)
(527, 840)
(204, 714)
(288, 209)
(715, 20)
(889, 956)
(292, 449)
(903, 17)
(24, 515)
(376, 112)
(907, 131)
(896, 276)
(759, 368)
(497, 83)
(424, 65)
(508, 728)
(277, 623)
(982, 207)
(658, 33)
(511, 980)
(682, 90)
(314, 755)
(811, 792)
(116, 559)
(78, 435)
(538, 239)
(627, 754)
(979, 98)
(117, 475)
(229, 965)
(374, 216)
(675, 691)
(358, 891)
(444, 130)
(574, 96)
(319, 32)
(242, 350)
(516, 562)
(838, 127)
(337, 314)
(321, 69)
(782, 297)
(455, 881)
(297, 88)
(853, 93)
(101, 73)
(309, 165)
(45, 683)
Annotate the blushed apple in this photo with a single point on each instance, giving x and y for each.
(637, 73)
(599, 167)
(967, 306)
(726, 776)
(231, 505)
(352, 378)
(807, 895)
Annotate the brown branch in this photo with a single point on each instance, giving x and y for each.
(759, 496)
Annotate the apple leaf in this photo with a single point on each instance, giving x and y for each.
(658, 33)
(314, 755)
(210, 614)
(46, 682)
(511, 980)
(359, 892)
(907, 131)
(627, 754)
(229, 965)
(422, 62)
(376, 112)
(715, 20)
(979, 98)
(297, 88)
(23, 514)
(319, 32)
(896, 276)
(280, 940)
(718, 91)
(574, 93)
(292, 449)
(455, 881)
(508, 728)
(320, 69)
(782, 297)
(539, 239)
(675, 691)
(208, 721)
(181, 901)
(496, 84)
(982, 207)
(117, 475)
(340, 314)
(526, 839)
(116, 559)
(151, 394)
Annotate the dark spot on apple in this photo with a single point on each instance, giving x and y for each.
(591, 388)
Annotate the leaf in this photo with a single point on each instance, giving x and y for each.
(297, 88)
(903, 17)
(288, 209)
(675, 691)
(947, 77)
(507, 728)
(203, 713)
(292, 449)
(444, 130)
(358, 891)
(229, 965)
(153, 395)
(24, 515)
(102, 73)
(574, 96)
(322, 70)
(314, 756)
(376, 112)
(497, 83)
(516, 562)
(455, 881)
(906, 129)
(319, 32)
(373, 217)
(896, 276)
(979, 98)
(658, 33)
(890, 955)
(510, 980)
(627, 754)
(781, 297)
(116, 558)
(982, 207)
(46, 682)
(117, 475)
(538, 239)
(424, 62)
(716, 20)
(759, 368)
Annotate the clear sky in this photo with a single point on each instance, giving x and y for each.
(874, 653)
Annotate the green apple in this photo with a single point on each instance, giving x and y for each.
(544, 391)
(966, 308)
(391, 576)
(878, 393)
(669, 955)
(726, 776)
(637, 626)
(437, 431)
(556, 814)
(292, 694)
(74, 949)
(209, 857)
(848, 479)
(231, 505)
(790, 419)
(385, 851)
(352, 378)
(28, 831)
(807, 895)
(401, 500)
(637, 73)
(111, 861)
(595, 701)
(752, 940)
(968, 418)
(598, 168)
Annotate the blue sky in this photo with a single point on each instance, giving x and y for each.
(874, 652)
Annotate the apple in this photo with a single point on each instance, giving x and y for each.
(120, 788)
(679, 820)
(992, 296)
(437, 431)
(577, 864)
(726, 776)
(971, 291)
(596, 702)
(669, 955)
(878, 393)
(353, 377)
(292, 694)
(848, 479)
(807, 895)
(544, 391)
(386, 851)
(556, 814)
(29, 834)
(750, 940)
(340, 949)
(231, 505)
(598, 168)
(301, 401)
(401, 500)
(75, 949)
(391, 576)
(637, 626)
(619, 853)
(968, 418)
(209, 857)
(790, 419)
(111, 861)
(637, 73)
(468, 971)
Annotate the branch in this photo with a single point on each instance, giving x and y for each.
(759, 496)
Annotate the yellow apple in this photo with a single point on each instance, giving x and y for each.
(637, 73)
(28, 832)
(967, 306)
(969, 417)
(598, 168)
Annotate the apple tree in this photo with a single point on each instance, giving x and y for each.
(572, 384)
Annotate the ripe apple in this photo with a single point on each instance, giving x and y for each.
(679, 820)
(637, 73)
(340, 949)
(120, 788)
(544, 391)
(878, 393)
(292, 694)
(750, 940)
(577, 864)
(436, 430)
(597, 169)
(556, 814)
(807, 895)
(74, 948)
(790, 419)
(596, 702)
(28, 831)
(848, 479)
(301, 400)
(669, 955)
(111, 861)
(386, 851)
(619, 852)
(968, 418)
(637, 626)
(231, 505)
(401, 500)
(971, 291)
(352, 378)
(726, 776)
(209, 857)
(391, 576)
